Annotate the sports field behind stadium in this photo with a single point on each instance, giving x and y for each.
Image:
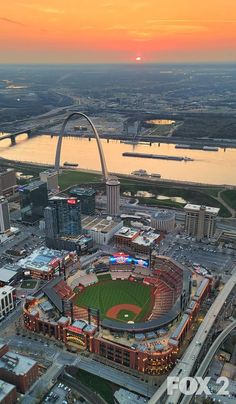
(119, 300)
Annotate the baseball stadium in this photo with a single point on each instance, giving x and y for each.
(122, 309)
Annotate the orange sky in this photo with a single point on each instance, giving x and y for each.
(81, 31)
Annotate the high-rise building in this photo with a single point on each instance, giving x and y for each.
(87, 199)
(7, 181)
(113, 196)
(200, 221)
(62, 219)
(4, 216)
(33, 200)
(51, 179)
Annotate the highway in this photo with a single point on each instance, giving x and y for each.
(185, 367)
(210, 355)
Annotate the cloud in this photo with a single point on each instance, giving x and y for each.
(8, 20)
(42, 9)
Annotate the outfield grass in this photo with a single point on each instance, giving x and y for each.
(105, 295)
(104, 277)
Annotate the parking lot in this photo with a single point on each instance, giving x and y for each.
(207, 256)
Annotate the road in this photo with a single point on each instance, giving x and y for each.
(210, 355)
(185, 367)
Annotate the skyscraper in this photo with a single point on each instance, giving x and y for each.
(113, 196)
(200, 220)
(62, 217)
(4, 216)
(33, 200)
(87, 199)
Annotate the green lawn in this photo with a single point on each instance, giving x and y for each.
(68, 178)
(104, 277)
(229, 197)
(30, 284)
(105, 295)
(125, 315)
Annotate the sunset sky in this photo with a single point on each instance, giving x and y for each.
(117, 31)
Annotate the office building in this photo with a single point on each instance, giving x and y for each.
(7, 303)
(4, 216)
(100, 229)
(51, 179)
(33, 200)
(136, 240)
(163, 220)
(7, 182)
(113, 196)
(87, 199)
(200, 221)
(17, 369)
(8, 393)
(62, 217)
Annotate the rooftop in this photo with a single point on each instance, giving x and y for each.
(164, 214)
(6, 274)
(16, 363)
(146, 239)
(5, 290)
(196, 208)
(97, 223)
(43, 259)
(32, 185)
(5, 389)
(79, 191)
(127, 232)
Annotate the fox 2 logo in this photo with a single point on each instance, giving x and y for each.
(195, 385)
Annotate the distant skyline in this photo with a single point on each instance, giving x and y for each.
(117, 31)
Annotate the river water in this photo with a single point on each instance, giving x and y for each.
(208, 166)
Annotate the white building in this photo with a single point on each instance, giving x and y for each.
(4, 216)
(200, 220)
(113, 196)
(6, 300)
(100, 229)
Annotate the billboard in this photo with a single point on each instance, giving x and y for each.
(121, 259)
(141, 263)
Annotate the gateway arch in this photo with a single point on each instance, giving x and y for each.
(99, 145)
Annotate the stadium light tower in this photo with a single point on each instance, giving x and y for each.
(99, 145)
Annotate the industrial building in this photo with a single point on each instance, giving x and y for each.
(7, 300)
(4, 216)
(100, 229)
(7, 182)
(86, 197)
(113, 196)
(17, 369)
(200, 221)
(163, 220)
(33, 200)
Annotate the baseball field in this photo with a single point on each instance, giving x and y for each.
(119, 300)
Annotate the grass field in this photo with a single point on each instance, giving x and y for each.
(229, 197)
(104, 277)
(105, 295)
(30, 284)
